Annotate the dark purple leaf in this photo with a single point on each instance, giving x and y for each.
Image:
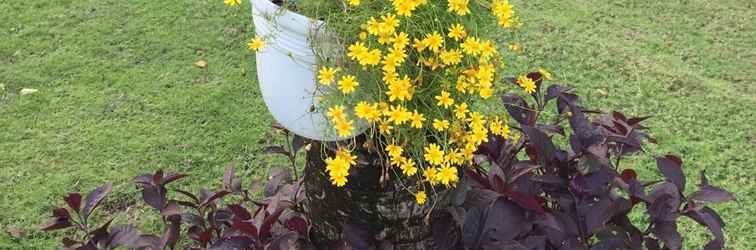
(481, 197)
(297, 224)
(709, 193)
(667, 232)
(148, 242)
(101, 234)
(709, 218)
(493, 149)
(619, 116)
(60, 220)
(598, 213)
(154, 196)
(240, 212)
(297, 143)
(171, 233)
(557, 227)
(518, 108)
(541, 142)
(124, 235)
(94, 198)
(555, 90)
(634, 234)
(592, 184)
(504, 222)
(220, 217)
(285, 241)
(664, 202)
(187, 194)
(74, 201)
(472, 229)
(586, 134)
(172, 177)
(534, 242)
(157, 178)
(199, 235)
(193, 219)
(712, 194)
(145, 179)
(236, 243)
(267, 225)
(211, 199)
(478, 179)
(526, 201)
(278, 177)
(671, 167)
(636, 120)
(613, 242)
(245, 227)
(170, 209)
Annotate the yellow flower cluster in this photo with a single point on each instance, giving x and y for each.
(338, 166)
(342, 124)
(406, 7)
(232, 2)
(503, 12)
(419, 90)
(459, 6)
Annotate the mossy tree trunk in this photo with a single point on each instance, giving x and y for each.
(385, 216)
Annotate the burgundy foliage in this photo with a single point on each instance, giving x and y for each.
(196, 221)
(533, 194)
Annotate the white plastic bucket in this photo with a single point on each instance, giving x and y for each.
(286, 70)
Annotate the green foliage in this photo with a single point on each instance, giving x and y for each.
(118, 94)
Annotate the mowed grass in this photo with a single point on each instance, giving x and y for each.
(119, 95)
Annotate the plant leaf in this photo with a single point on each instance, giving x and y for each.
(240, 212)
(518, 108)
(709, 193)
(667, 232)
(711, 220)
(297, 143)
(94, 198)
(211, 199)
(60, 220)
(297, 224)
(541, 142)
(671, 167)
(171, 233)
(278, 177)
(74, 201)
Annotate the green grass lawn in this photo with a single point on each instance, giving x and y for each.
(119, 95)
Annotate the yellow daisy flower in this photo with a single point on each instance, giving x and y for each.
(348, 84)
(526, 83)
(256, 44)
(327, 75)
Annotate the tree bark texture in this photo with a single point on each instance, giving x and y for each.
(389, 214)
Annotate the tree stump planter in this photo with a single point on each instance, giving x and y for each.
(362, 208)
